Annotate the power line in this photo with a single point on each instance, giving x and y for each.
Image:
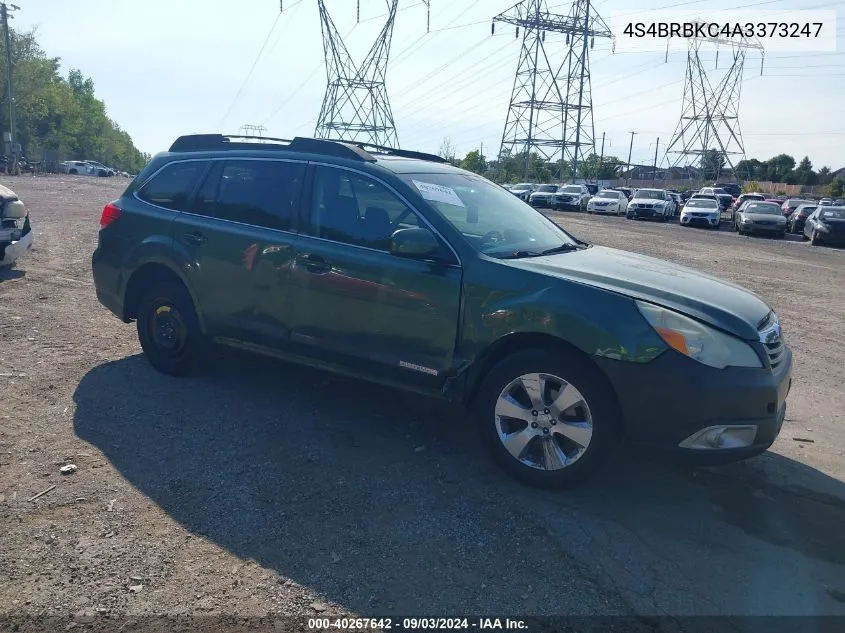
(252, 67)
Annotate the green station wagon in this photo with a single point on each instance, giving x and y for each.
(395, 266)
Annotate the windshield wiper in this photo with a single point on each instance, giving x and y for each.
(520, 255)
(563, 248)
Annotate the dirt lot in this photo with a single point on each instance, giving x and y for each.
(261, 488)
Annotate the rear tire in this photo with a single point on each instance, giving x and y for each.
(169, 330)
(561, 430)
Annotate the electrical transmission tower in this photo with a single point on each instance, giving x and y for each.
(253, 130)
(708, 133)
(551, 108)
(356, 106)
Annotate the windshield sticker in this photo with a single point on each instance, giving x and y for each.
(439, 193)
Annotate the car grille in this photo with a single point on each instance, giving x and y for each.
(772, 339)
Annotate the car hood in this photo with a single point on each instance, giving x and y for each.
(759, 217)
(648, 200)
(718, 303)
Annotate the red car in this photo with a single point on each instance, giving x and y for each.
(789, 206)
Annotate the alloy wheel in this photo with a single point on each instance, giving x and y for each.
(543, 421)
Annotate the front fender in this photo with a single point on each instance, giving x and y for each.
(597, 322)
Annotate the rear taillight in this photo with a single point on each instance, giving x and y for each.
(111, 212)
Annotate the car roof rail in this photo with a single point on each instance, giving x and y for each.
(218, 142)
(401, 153)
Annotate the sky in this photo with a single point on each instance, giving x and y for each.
(170, 67)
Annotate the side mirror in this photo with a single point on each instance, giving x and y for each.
(417, 243)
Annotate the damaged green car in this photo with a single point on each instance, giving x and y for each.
(397, 267)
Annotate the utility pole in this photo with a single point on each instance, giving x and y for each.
(4, 15)
(630, 149)
(601, 158)
(654, 169)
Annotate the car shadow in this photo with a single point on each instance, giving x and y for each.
(385, 502)
(7, 273)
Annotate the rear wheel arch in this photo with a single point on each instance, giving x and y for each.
(143, 278)
(520, 342)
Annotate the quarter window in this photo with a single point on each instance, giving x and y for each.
(257, 192)
(356, 210)
(173, 185)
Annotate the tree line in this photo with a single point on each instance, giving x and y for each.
(530, 166)
(60, 118)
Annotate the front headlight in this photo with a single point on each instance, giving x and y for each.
(698, 341)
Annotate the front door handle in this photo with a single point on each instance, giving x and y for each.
(313, 263)
(194, 238)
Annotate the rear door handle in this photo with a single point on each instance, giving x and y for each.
(194, 238)
(313, 263)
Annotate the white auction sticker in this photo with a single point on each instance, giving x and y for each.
(439, 193)
(799, 31)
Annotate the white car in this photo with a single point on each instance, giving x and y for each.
(608, 201)
(15, 230)
(543, 196)
(650, 204)
(523, 190)
(701, 212)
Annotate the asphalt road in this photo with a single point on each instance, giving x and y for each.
(263, 488)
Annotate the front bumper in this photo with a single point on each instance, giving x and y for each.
(647, 213)
(666, 401)
(763, 228)
(696, 220)
(13, 251)
(614, 210)
(566, 206)
(540, 203)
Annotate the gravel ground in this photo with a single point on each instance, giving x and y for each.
(261, 488)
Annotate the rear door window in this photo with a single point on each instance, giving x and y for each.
(172, 187)
(263, 193)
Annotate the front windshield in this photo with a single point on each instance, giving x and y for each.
(547, 188)
(571, 189)
(764, 208)
(651, 194)
(490, 220)
(833, 214)
(699, 203)
(521, 187)
(608, 194)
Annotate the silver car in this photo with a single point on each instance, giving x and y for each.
(543, 196)
(760, 217)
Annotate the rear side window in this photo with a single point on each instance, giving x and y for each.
(258, 192)
(173, 185)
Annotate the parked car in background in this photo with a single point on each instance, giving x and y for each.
(628, 192)
(74, 168)
(793, 203)
(747, 196)
(839, 202)
(674, 202)
(686, 194)
(412, 273)
(523, 190)
(799, 217)
(593, 189)
(778, 200)
(571, 198)
(98, 169)
(725, 199)
(825, 225)
(702, 212)
(760, 217)
(608, 201)
(731, 187)
(649, 204)
(15, 227)
(542, 198)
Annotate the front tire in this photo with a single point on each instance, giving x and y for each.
(547, 418)
(814, 238)
(169, 330)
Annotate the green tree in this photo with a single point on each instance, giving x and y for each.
(475, 162)
(712, 163)
(824, 177)
(778, 167)
(59, 116)
(836, 188)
